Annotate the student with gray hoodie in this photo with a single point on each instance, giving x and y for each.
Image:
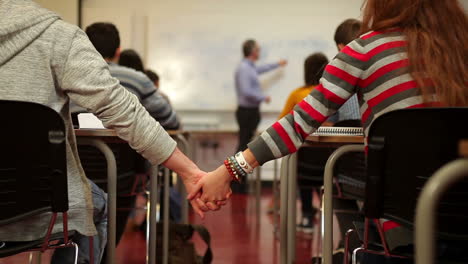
(47, 61)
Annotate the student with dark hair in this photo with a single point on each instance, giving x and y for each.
(314, 65)
(154, 77)
(131, 76)
(348, 113)
(130, 58)
(105, 38)
(346, 32)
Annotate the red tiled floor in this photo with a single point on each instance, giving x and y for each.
(24, 258)
(238, 237)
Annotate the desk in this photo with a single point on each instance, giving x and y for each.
(96, 139)
(99, 138)
(288, 191)
(256, 186)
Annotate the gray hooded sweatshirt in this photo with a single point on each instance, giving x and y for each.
(45, 60)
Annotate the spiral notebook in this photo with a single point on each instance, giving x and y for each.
(339, 131)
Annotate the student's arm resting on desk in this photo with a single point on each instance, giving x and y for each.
(288, 134)
(85, 78)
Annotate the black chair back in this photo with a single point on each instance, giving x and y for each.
(33, 170)
(311, 165)
(129, 163)
(350, 174)
(93, 161)
(405, 148)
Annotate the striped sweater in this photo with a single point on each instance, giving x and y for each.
(375, 67)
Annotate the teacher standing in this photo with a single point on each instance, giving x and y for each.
(249, 92)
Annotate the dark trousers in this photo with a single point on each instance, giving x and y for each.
(248, 120)
(307, 209)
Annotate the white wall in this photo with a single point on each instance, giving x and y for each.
(67, 9)
(465, 4)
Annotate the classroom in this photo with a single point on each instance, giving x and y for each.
(233, 132)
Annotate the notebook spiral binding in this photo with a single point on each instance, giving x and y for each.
(339, 131)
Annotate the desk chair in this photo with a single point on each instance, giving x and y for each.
(431, 195)
(405, 148)
(343, 179)
(33, 173)
(310, 165)
(131, 178)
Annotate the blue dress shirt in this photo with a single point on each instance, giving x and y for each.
(249, 92)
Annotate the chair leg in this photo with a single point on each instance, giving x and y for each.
(39, 257)
(382, 237)
(31, 255)
(355, 255)
(76, 252)
(91, 250)
(346, 248)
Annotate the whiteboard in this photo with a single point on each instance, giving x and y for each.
(195, 46)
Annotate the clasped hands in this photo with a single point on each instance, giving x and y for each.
(209, 191)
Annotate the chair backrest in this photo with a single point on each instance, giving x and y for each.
(129, 163)
(405, 148)
(350, 174)
(311, 164)
(33, 171)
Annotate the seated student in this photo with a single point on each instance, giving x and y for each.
(130, 58)
(105, 38)
(348, 114)
(67, 67)
(154, 77)
(313, 70)
(410, 56)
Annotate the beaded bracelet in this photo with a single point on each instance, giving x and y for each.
(236, 166)
(231, 171)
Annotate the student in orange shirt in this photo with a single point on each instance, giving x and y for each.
(313, 70)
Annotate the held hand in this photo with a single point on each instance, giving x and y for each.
(268, 99)
(215, 188)
(191, 185)
(283, 63)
